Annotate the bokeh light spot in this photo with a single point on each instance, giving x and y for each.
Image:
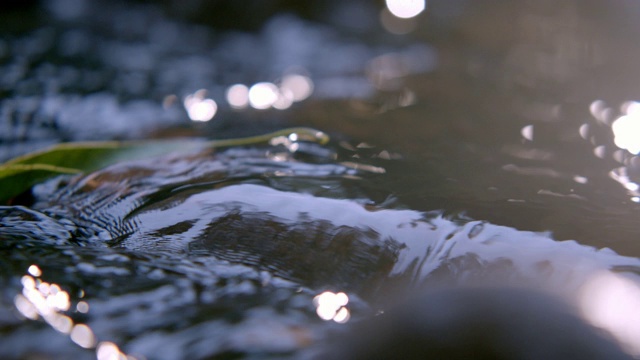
(299, 86)
(580, 179)
(626, 131)
(200, 108)
(263, 95)
(25, 307)
(406, 8)
(332, 306)
(107, 350)
(83, 336)
(238, 96)
(34, 270)
(284, 101)
(40, 299)
(527, 132)
(61, 323)
(611, 302)
(82, 307)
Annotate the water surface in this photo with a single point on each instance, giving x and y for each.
(466, 149)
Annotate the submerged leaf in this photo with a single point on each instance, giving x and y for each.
(21, 173)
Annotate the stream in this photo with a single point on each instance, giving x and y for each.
(475, 145)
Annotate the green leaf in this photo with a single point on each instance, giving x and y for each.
(20, 174)
(15, 179)
(89, 156)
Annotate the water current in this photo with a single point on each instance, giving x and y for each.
(465, 152)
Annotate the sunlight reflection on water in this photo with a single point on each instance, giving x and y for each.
(50, 302)
(332, 306)
(264, 95)
(406, 8)
(353, 69)
(238, 96)
(612, 302)
(200, 108)
(625, 131)
(626, 128)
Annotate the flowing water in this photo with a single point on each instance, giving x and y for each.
(482, 146)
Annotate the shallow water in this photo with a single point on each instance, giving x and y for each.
(213, 254)
(466, 150)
